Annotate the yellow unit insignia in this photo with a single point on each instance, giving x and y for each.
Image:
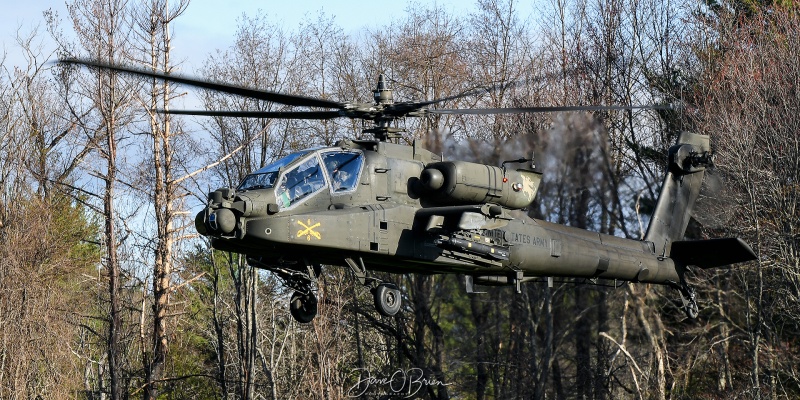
(308, 230)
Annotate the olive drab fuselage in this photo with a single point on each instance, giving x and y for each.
(373, 205)
(405, 210)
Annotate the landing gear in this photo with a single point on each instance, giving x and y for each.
(688, 296)
(388, 299)
(689, 299)
(303, 304)
(303, 307)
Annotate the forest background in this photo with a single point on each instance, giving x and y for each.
(106, 291)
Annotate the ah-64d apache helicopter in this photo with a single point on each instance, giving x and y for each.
(383, 206)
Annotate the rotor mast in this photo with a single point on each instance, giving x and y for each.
(384, 99)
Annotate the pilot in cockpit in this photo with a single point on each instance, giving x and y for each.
(340, 179)
(343, 170)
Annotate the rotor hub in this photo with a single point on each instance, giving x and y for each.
(382, 94)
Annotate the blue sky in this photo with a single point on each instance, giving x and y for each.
(208, 25)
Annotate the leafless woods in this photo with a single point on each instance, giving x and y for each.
(105, 291)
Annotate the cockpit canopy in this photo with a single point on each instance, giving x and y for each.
(306, 173)
(265, 178)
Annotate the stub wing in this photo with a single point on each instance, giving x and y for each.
(712, 253)
(455, 218)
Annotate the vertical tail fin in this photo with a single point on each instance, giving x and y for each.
(688, 160)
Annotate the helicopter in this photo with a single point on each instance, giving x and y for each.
(379, 205)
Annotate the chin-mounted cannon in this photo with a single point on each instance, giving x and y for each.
(459, 182)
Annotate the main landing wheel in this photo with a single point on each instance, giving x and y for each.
(303, 307)
(387, 299)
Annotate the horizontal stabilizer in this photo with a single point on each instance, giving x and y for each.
(712, 253)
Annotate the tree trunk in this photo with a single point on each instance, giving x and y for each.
(154, 22)
(112, 266)
(479, 319)
(583, 360)
(547, 354)
(654, 339)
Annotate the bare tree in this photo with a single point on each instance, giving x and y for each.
(320, 48)
(424, 56)
(153, 23)
(260, 58)
(102, 29)
(44, 233)
(746, 107)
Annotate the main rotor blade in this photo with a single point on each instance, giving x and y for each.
(467, 94)
(259, 114)
(289, 100)
(521, 110)
(406, 108)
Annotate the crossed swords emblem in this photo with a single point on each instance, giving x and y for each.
(309, 231)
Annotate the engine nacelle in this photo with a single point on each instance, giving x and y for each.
(460, 182)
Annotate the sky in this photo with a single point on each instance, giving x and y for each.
(208, 25)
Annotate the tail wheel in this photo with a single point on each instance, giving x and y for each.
(689, 299)
(388, 299)
(691, 310)
(303, 307)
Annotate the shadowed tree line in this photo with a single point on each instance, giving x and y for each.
(107, 292)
